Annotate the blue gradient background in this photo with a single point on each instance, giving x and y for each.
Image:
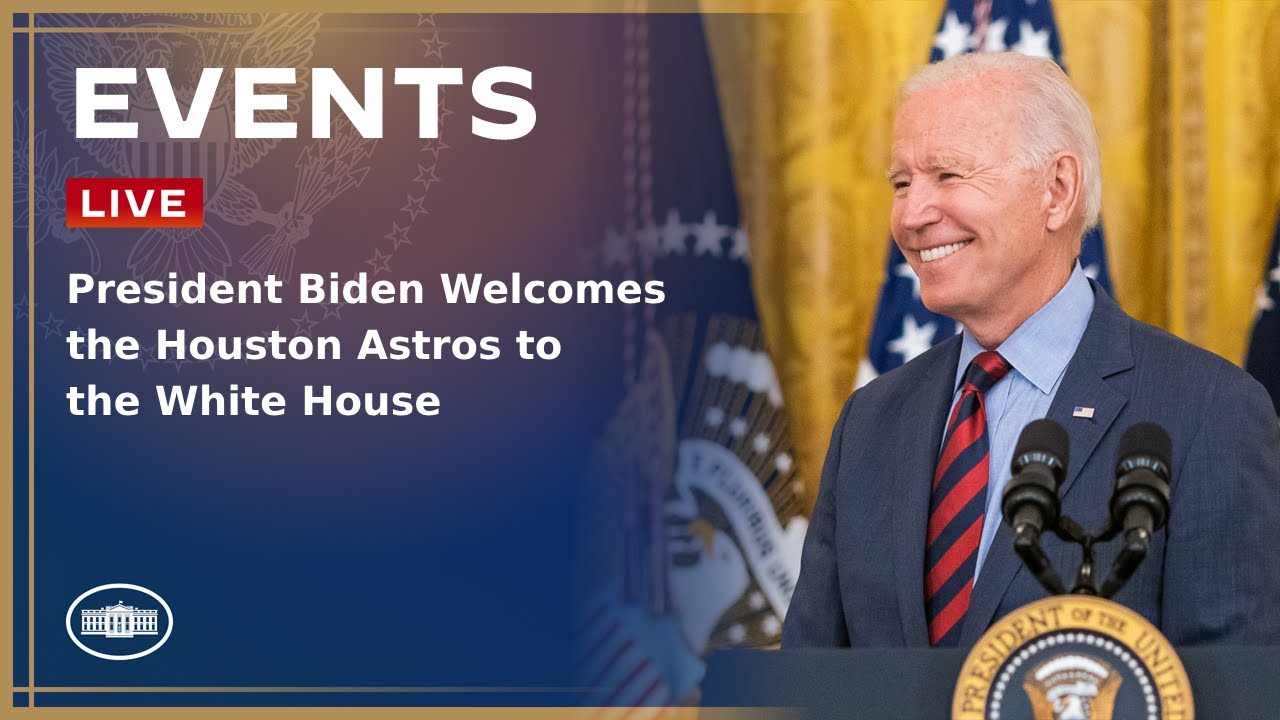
(346, 551)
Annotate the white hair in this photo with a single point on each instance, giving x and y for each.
(1050, 110)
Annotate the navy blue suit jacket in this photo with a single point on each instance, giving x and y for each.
(1212, 576)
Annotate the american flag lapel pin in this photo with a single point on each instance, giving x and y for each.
(1082, 412)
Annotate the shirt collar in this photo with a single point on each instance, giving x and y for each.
(1041, 347)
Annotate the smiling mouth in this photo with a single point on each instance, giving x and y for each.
(938, 253)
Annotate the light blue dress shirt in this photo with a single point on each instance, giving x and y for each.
(1039, 351)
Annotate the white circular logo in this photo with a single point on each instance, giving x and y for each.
(126, 624)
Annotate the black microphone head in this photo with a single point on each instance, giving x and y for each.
(1043, 441)
(1141, 498)
(1145, 445)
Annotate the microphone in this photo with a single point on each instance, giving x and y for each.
(1141, 499)
(1030, 502)
(1140, 504)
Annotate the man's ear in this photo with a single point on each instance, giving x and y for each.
(1065, 192)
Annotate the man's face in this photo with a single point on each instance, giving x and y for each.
(970, 221)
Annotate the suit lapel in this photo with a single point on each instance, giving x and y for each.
(920, 437)
(1105, 349)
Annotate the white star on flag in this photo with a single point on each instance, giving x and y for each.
(904, 270)
(1262, 301)
(953, 38)
(915, 339)
(1032, 42)
(866, 373)
(740, 249)
(994, 40)
(649, 238)
(783, 463)
(616, 250)
(708, 234)
(760, 443)
(673, 234)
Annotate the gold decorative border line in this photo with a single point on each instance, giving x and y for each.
(459, 7)
(424, 713)
(31, 355)
(300, 688)
(185, 30)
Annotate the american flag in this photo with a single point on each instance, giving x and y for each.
(903, 327)
(1264, 345)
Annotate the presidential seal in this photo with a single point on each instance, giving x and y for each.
(1072, 657)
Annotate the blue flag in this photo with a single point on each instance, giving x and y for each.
(903, 327)
(1264, 346)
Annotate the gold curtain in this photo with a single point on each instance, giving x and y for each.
(1186, 97)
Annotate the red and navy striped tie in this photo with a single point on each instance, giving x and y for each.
(958, 503)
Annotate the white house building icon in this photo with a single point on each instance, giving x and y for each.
(119, 620)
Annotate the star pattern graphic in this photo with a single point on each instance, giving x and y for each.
(52, 325)
(427, 176)
(444, 112)
(434, 146)
(413, 206)
(398, 236)
(333, 310)
(22, 308)
(147, 356)
(380, 262)
(303, 325)
(434, 45)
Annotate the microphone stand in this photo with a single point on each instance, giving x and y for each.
(1026, 542)
(1137, 542)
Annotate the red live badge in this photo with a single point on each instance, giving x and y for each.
(135, 202)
